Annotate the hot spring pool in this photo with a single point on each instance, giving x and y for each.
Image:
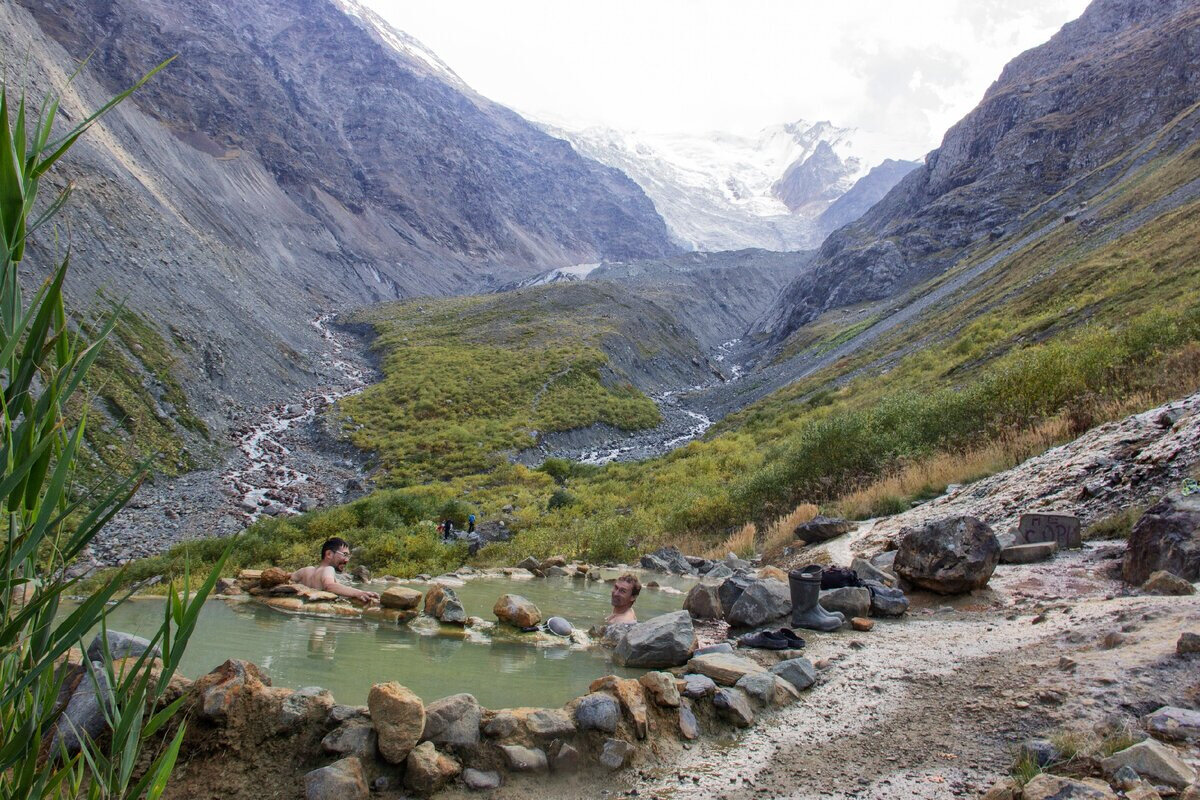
(348, 656)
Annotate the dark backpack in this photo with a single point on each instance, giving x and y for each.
(838, 577)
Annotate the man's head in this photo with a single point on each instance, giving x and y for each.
(625, 591)
(335, 552)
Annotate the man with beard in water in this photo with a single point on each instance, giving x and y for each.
(334, 555)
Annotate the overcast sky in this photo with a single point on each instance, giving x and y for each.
(904, 69)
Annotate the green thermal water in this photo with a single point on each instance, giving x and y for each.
(348, 656)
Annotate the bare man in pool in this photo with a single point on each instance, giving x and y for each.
(624, 595)
(335, 553)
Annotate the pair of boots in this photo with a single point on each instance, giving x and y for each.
(805, 585)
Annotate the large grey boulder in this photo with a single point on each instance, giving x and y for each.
(949, 556)
(453, 721)
(822, 529)
(704, 602)
(341, 780)
(653, 564)
(120, 645)
(1167, 537)
(852, 601)
(664, 641)
(354, 737)
(676, 561)
(764, 600)
(719, 571)
(731, 589)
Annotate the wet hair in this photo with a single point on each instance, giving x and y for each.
(634, 584)
(334, 544)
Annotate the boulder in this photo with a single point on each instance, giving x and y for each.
(799, 672)
(1028, 553)
(734, 707)
(227, 587)
(664, 641)
(524, 759)
(675, 561)
(886, 601)
(867, 571)
(761, 602)
(852, 601)
(948, 556)
(653, 564)
(1165, 583)
(718, 571)
(1170, 722)
(1189, 642)
(1062, 529)
(1167, 537)
(731, 589)
(400, 597)
(391, 616)
(361, 573)
(554, 561)
(453, 721)
(704, 602)
(516, 610)
(341, 780)
(662, 688)
(615, 753)
(219, 692)
(441, 602)
(311, 702)
(1053, 787)
(556, 572)
(597, 712)
(120, 645)
(480, 780)
(426, 770)
(697, 686)
(354, 737)
(723, 668)
(399, 719)
(548, 723)
(822, 529)
(1154, 761)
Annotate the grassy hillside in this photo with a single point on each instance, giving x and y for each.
(1080, 326)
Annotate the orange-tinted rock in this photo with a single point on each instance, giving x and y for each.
(632, 696)
(399, 719)
(862, 624)
(273, 576)
(516, 610)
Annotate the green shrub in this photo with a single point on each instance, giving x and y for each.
(561, 499)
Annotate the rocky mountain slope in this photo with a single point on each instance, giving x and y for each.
(296, 158)
(721, 191)
(1065, 122)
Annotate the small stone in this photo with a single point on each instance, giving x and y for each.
(799, 672)
(355, 737)
(759, 687)
(724, 668)
(1028, 553)
(689, 728)
(1126, 778)
(1053, 787)
(616, 753)
(517, 611)
(479, 780)
(734, 707)
(1113, 639)
(850, 601)
(1006, 789)
(861, 624)
(1170, 722)
(426, 770)
(453, 721)
(697, 686)
(1154, 761)
(1167, 583)
(1038, 751)
(1189, 642)
(341, 780)
(564, 757)
(400, 597)
(597, 712)
(524, 759)
(1066, 664)
(661, 686)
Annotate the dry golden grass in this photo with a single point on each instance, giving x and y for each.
(741, 542)
(781, 532)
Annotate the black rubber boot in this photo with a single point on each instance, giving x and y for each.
(805, 585)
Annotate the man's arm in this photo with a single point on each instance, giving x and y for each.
(330, 584)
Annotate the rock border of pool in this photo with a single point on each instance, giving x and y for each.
(245, 734)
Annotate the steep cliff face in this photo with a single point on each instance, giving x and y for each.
(1040, 142)
(296, 158)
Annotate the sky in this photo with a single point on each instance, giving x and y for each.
(898, 70)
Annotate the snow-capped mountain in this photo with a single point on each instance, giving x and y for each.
(722, 191)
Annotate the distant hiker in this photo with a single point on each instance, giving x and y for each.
(624, 594)
(335, 553)
(471, 524)
(448, 529)
(441, 529)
